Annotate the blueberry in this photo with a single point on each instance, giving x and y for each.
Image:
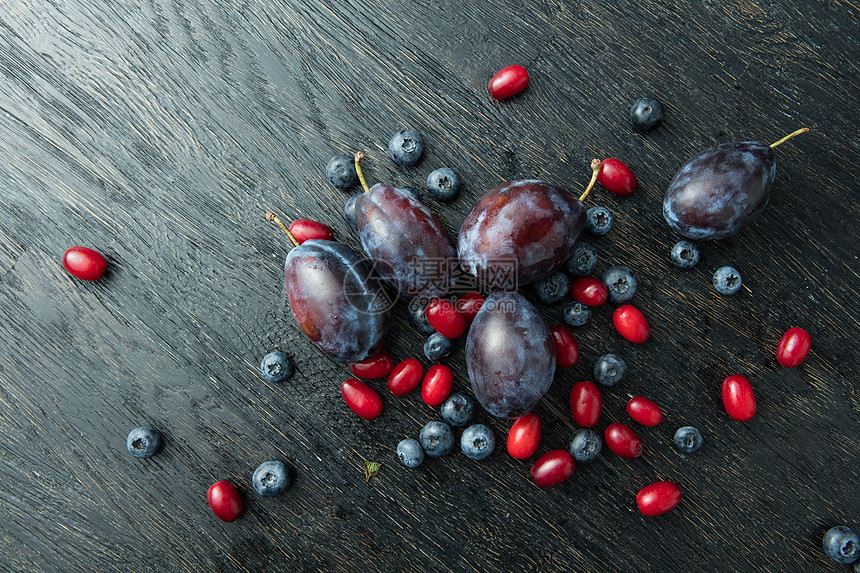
(437, 439)
(577, 314)
(688, 439)
(410, 453)
(418, 316)
(552, 288)
(437, 347)
(143, 442)
(582, 261)
(727, 280)
(598, 220)
(685, 255)
(585, 445)
(842, 544)
(349, 210)
(458, 409)
(646, 113)
(271, 479)
(443, 184)
(276, 367)
(620, 282)
(478, 441)
(341, 172)
(406, 147)
(610, 369)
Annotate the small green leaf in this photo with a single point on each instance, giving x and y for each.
(371, 469)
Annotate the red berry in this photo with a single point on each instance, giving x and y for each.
(361, 398)
(305, 229)
(552, 468)
(589, 291)
(658, 498)
(566, 348)
(509, 82)
(405, 377)
(377, 366)
(793, 347)
(524, 436)
(84, 263)
(585, 403)
(469, 304)
(644, 411)
(437, 384)
(623, 441)
(445, 318)
(738, 398)
(631, 324)
(617, 178)
(225, 501)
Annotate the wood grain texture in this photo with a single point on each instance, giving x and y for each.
(160, 132)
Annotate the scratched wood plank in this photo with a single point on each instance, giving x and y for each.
(160, 132)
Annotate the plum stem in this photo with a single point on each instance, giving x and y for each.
(358, 157)
(272, 217)
(789, 136)
(595, 168)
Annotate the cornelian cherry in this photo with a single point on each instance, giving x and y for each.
(617, 178)
(738, 398)
(658, 498)
(524, 436)
(644, 411)
(306, 229)
(405, 377)
(793, 347)
(377, 366)
(469, 304)
(631, 324)
(588, 291)
(508, 81)
(225, 501)
(361, 398)
(437, 384)
(552, 468)
(566, 348)
(585, 403)
(623, 441)
(84, 263)
(445, 318)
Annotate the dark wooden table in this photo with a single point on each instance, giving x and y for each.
(160, 132)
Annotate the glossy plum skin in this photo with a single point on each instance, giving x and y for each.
(510, 355)
(529, 222)
(332, 294)
(406, 240)
(721, 190)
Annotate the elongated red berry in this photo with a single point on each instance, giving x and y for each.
(524, 436)
(469, 304)
(437, 384)
(445, 318)
(631, 324)
(738, 398)
(84, 263)
(585, 403)
(617, 178)
(225, 501)
(658, 498)
(377, 366)
(405, 377)
(644, 411)
(361, 398)
(623, 441)
(566, 348)
(306, 229)
(793, 347)
(552, 468)
(508, 81)
(589, 291)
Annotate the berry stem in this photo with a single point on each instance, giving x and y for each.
(595, 168)
(789, 136)
(272, 217)
(358, 157)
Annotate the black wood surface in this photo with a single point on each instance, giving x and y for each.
(160, 132)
